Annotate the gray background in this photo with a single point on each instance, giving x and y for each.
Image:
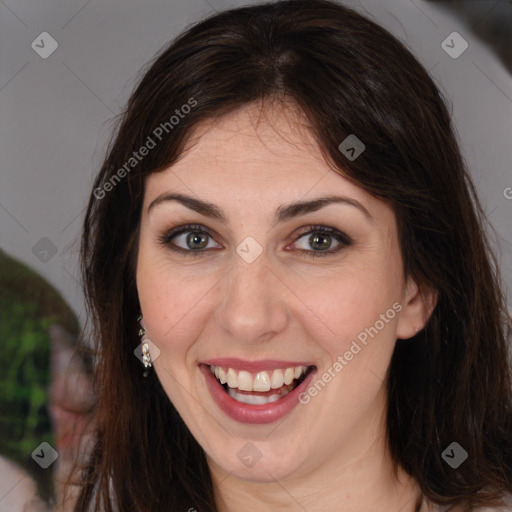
(57, 113)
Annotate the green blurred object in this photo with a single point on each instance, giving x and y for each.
(28, 306)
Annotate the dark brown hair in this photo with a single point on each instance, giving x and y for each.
(348, 75)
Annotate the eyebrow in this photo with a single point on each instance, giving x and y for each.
(283, 212)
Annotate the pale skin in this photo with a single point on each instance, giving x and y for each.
(329, 454)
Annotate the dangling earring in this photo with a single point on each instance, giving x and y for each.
(146, 356)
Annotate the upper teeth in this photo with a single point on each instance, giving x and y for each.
(262, 381)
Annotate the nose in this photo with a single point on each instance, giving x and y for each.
(253, 307)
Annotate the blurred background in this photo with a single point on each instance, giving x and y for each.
(67, 68)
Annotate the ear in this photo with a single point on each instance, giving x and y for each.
(418, 304)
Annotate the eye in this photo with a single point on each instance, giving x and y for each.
(321, 238)
(194, 237)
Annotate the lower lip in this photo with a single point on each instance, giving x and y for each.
(257, 414)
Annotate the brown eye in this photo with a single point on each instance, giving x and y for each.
(196, 240)
(320, 238)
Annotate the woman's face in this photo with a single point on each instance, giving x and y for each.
(240, 295)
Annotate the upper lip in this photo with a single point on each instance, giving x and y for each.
(253, 366)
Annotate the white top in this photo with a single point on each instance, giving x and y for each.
(440, 508)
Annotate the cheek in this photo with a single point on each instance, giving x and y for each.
(359, 304)
(170, 302)
(156, 289)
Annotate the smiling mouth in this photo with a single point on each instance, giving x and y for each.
(262, 387)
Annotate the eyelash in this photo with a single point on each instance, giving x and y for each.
(342, 238)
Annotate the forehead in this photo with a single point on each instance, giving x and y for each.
(270, 132)
(253, 150)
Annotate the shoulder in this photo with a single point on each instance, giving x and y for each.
(505, 508)
(18, 489)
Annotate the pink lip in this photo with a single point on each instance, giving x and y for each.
(256, 414)
(253, 366)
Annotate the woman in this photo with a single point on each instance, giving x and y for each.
(375, 374)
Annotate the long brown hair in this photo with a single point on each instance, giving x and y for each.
(451, 382)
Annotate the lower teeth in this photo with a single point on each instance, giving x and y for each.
(255, 399)
(260, 399)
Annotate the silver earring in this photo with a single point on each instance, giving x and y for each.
(146, 356)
